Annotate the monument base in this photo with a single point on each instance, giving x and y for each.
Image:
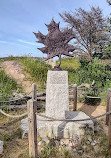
(61, 129)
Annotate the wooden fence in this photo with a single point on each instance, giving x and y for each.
(32, 120)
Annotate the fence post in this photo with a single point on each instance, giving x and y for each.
(75, 99)
(34, 91)
(109, 128)
(107, 108)
(32, 123)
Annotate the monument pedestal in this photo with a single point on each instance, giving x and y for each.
(57, 107)
(57, 94)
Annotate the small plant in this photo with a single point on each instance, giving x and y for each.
(68, 133)
(52, 133)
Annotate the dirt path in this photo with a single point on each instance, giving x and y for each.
(95, 111)
(91, 110)
(15, 71)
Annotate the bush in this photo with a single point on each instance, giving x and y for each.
(94, 70)
(83, 61)
(86, 72)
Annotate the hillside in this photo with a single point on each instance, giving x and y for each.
(21, 73)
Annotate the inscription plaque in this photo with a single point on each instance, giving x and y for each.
(58, 79)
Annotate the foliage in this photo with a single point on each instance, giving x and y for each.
(37, 69)
(94, 70)
(100, 150)
(85, 147)
(89, 29)
(84, 71)
(98, 71)
(7, 85)
(108, 51)
(55, 152)
(104, 92)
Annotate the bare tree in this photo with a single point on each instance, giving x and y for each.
(89, 29)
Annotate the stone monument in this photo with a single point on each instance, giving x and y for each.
(57, 93)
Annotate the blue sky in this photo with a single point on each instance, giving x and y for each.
(19, 18)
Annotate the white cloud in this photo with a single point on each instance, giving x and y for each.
(4, 42)
(27, 42)
(7, 42)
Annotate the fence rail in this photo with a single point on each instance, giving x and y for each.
(42, 96)
(32, 114)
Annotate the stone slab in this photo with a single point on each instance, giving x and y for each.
(1, 147)
(57, 94)
(60, 129)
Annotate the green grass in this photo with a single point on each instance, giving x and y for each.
(71, 65)
(104, 93)
(7, 85)
(79, 71)
(37, 70)
(35, 67)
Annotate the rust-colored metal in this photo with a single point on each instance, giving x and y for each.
(56, 41)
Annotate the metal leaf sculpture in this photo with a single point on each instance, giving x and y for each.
(56, 42)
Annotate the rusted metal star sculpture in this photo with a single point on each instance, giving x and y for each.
(56, 42)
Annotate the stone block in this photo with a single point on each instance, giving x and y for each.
(57, 94)
(1, 147)
(60, 129)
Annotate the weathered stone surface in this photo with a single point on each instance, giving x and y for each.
(57, 107)
(1, 147)
(60, 129)
(57, 95)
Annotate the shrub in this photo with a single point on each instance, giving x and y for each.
(94, 70)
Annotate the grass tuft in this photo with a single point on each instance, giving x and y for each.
(7, 86)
